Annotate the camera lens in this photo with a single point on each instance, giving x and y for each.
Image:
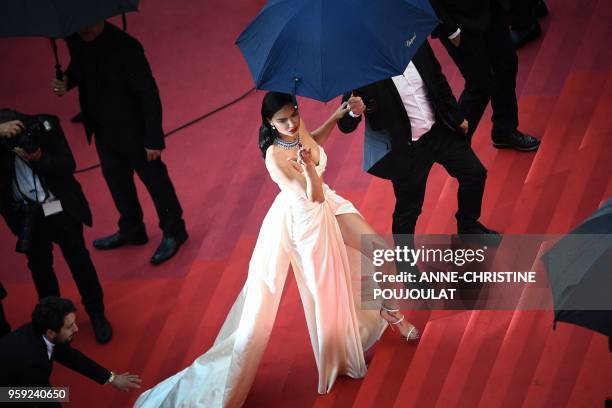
(24, 239)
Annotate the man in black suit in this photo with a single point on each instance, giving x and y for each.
(121, 106)
(412, 122)
(43, 203)
(28, 353)
(475, 34)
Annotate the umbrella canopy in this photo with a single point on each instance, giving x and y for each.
(321, 49)
(580, 273)
(57, 18)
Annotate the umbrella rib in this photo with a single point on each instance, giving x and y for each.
(429, 12)
(379, 47)
(266, 64)
(320, 33)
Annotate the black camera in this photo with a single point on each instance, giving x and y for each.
(29, 138)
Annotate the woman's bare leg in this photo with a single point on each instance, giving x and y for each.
(358, 234)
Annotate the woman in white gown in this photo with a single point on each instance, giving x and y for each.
(311, 228)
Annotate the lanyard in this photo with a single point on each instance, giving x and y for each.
(26, 198)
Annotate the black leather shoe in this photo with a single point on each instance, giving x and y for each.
(517, 141)
(476, 232)
(168, 247)
(117, 240)
(102, 329)
(522, 37)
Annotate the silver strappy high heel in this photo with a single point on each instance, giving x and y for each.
(413, 333)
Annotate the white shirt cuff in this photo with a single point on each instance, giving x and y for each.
(353, 115)
(455, 34)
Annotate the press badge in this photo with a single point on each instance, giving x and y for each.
(51, 207)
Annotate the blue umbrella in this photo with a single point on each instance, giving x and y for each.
(323, 48)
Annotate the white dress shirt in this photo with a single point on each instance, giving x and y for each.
(50, 346)
(414, 94)
(455, 34)
(27, 184)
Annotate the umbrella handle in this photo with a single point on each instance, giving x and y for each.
(59, 74)
(295, 83)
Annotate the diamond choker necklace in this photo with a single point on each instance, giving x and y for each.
(287, 145)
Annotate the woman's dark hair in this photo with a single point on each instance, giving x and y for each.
(50, 312)
(272, 102)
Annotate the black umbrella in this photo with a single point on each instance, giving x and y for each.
(580, 273)
(57, 18)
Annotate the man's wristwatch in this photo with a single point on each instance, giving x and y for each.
(112, 377)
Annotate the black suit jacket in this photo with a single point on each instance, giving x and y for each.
(117, 92)
(25, 362)
(469, 15)
(386, 119)
(55, 169)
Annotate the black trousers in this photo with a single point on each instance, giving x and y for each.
(488, 62)
(412, 164)
(67, 232)
(118, 167)
(5, 327)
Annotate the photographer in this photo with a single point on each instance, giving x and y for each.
(27, 354)
(43, 203)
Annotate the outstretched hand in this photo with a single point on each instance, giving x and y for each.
(126, 381)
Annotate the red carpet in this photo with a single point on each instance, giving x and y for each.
(166, 316)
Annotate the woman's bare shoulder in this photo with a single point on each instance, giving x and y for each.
(274, 157)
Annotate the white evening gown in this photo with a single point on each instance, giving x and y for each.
(306, 235)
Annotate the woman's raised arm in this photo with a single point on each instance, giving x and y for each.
(322, 133)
